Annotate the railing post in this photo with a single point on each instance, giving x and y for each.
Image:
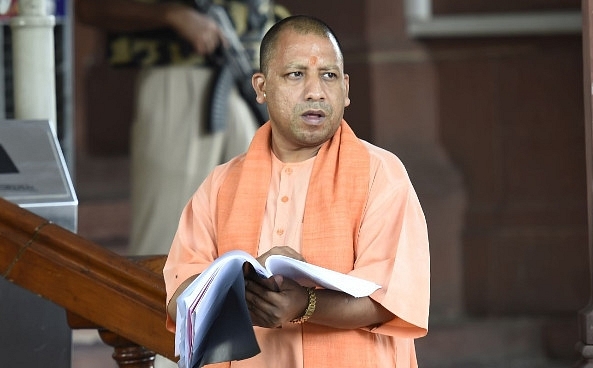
(126, 353)
(585, 345)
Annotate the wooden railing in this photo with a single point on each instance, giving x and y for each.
(123, 298)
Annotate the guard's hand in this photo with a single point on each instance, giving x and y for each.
(197, 28)
(273, 308)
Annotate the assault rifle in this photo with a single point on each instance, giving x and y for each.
(234, 68)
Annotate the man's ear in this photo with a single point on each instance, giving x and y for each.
(258, 81)
(347, 86)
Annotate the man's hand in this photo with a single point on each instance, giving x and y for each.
(269, 308)
(284, 251)
(277, 299)
(198, 29)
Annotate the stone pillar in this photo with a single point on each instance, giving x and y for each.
(585, 345)
(34, 62)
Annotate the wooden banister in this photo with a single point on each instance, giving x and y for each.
(97, 286)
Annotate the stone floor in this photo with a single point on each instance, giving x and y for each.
(486, 343)
(464, 348)
(89, 352)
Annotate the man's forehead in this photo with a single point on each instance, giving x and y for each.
(293, 40)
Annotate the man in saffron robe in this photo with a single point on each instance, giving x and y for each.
(310, 189)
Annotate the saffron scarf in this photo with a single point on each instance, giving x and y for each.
(336, 197)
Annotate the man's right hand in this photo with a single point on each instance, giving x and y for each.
(271, 308)
(249, 274)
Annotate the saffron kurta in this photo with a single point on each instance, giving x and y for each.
(391, 250)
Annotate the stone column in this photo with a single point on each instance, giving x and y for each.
(585, 345)
(34, 62)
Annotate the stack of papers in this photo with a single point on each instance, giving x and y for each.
(213, 323)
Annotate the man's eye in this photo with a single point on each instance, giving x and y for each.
(330, 75)
(295, 74)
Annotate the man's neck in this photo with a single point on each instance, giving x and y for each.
(294, 155)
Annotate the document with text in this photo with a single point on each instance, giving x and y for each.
(213, 323)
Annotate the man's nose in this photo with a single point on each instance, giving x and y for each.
(314, 89)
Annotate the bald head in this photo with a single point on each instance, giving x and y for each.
(301, 24)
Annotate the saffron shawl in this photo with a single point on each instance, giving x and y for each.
(336, 198)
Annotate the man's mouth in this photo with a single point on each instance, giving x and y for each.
(313, 116)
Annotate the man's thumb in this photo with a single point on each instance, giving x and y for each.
(279, 279)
